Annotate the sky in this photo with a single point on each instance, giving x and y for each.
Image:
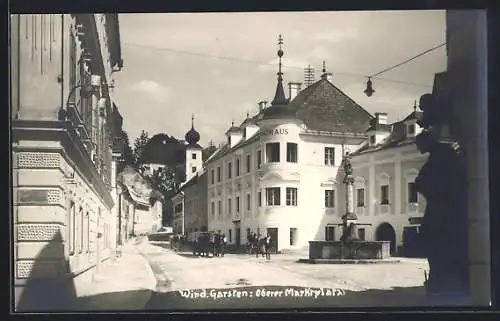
(218, 66)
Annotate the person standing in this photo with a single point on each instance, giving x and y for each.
(223, 244)
(267, 246)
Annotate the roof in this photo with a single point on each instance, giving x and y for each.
(226, 148)
(376, 126)
(416, 115)
(233, 129)
(396, 138)
(194, 180)
(323, 106)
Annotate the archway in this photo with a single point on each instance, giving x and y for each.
(385, 232)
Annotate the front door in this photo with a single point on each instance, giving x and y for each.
(237, 234)
(238, 237)
(273, 232)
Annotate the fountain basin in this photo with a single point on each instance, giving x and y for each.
(354, 252)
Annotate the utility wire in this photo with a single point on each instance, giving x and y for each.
(374, 76)
(408, 60)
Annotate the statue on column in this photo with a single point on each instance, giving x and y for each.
(349, 226)
(442, 182)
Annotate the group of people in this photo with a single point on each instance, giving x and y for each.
(258, 244)
(207, 243)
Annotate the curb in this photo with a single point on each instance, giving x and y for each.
(152, 289)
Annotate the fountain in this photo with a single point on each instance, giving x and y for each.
(350, 249)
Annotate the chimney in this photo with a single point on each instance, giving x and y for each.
(328, 76)
(294, 89)
(262, 105)
(381, 118)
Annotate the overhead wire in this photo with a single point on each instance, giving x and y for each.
(233, 59)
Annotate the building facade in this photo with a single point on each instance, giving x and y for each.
(195, 200)
(278, 172)
(62, 68)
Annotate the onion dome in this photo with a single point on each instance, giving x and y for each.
(192, 136)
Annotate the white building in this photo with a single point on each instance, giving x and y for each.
(278, 172)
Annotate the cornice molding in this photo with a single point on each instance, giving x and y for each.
(72, 149)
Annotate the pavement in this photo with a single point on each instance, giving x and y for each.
(153, 277)
(240, 281)
(124, 283)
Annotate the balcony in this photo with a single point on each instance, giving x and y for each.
(283, 168)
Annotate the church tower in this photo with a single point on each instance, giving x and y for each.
(193, 161)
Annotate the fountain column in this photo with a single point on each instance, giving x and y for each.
(349, 219)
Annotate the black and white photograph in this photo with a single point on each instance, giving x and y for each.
(249, 160)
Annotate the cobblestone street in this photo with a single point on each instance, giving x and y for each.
(183, 281)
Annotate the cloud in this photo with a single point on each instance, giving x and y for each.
(152, 89)
(336, 35)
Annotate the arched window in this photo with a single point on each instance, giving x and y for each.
(411, 196)
(384, 193)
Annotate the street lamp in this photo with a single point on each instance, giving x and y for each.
(369, 87)
(86, 89)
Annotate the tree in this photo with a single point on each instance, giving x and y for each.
(166, 181)
(126, 151)
(139, 145)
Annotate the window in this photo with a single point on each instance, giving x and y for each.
(329, 198)
(291, 152)
(411, 129)
(237, 204)
(258, 231)
(249, 159)
(212, 176)
(293, 236)
(412, 193)
(361, 234)
(249, 204)
(259, 199)
(273, 152)
(71, 236)
(80, 232)
(238, 167)
(372, 139)
(329, 156)
(259, 159)
(229, 205)
(273, 196)
(87, 232)
(212, 208)
(219, 207)
(230, 236)
(291, 196)
(330, 233)
(384, 194)
(229, 170)
(218, 174)
(360, 197)
(193, 169)
(193, 155)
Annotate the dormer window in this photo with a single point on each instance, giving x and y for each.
(411, 129)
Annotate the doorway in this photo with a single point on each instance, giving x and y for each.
(385, 232)
(273, 232)
(237, 235)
